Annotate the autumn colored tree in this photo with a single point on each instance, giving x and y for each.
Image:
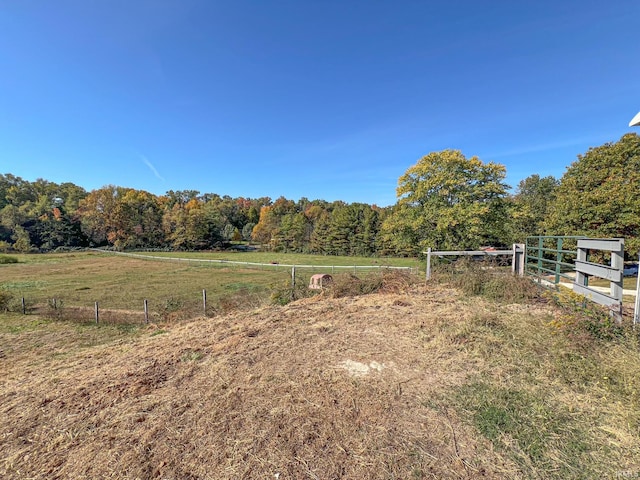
(271, 216)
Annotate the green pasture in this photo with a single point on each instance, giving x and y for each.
(123, 283)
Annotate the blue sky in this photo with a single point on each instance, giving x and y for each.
(319, 99)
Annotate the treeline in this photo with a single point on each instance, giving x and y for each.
(45, 216)
(445, 201)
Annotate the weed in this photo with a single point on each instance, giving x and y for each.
(387, 281)
(528, 427)
(127, 328)
(171, 305)
(191, 355)
(483, 279)
(242, 299)
(6, 259)
(5, 301)
(583, 317)
(283, 293)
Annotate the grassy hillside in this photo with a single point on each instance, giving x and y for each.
(412, 382)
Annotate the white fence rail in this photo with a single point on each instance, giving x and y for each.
(253, 264)
(516, 252)
(612, 272)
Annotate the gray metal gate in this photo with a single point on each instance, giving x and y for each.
(549, 260)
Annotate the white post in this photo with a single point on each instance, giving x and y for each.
(517, 264)
(617, 262)
(428, 264)
(636, 310)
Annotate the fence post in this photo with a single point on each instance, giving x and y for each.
(428, 272)
(540, 250)
(146, 311)
(97, 314)
(617, 262)
(559, 245)
(204, 301)
(24, 307)
(518, 262)
(293, 277)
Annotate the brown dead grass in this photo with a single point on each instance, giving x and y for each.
(357, 387)
(265, 394)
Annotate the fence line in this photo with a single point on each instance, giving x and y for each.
(253, 264)
(185, 304)
(516, 252)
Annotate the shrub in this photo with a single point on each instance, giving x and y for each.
(584, 317)
(6, 301)
(347, 285)
(282, 292)
(241, 300)
(5, 259)
(480, 279)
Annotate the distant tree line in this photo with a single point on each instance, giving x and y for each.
(445, 201)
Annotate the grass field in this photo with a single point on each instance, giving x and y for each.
(414, 382)
(291, 258)
(123, 283)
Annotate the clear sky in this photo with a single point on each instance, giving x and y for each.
(330, 99)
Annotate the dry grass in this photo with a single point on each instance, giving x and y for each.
(417, 382)
(124, 283)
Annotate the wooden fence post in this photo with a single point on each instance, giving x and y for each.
(428, 272)
(204, 301)
(97, 314)
(146, 311)
(24, 307)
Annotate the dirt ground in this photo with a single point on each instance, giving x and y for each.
(323, 388)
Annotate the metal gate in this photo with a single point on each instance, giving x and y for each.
(550, 259)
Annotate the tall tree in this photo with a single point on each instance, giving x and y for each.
(448, 201)
(530, 206)
(599, 194)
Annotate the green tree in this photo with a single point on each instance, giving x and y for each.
(22, 242)
(447, 201)
(599, 194)
(530, 206)
(228, 231)
(291, 234)
(246, 231)
(319, 239)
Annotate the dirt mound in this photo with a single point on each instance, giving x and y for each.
(320, 389)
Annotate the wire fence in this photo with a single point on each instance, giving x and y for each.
(128, 305)
(261, 266)
(177, 307)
